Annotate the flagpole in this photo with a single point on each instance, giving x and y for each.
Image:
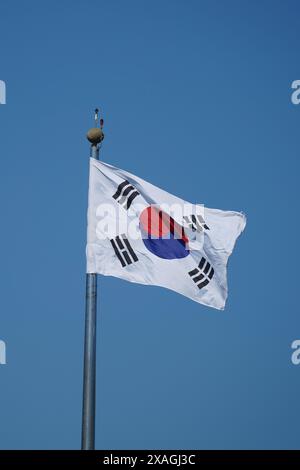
(95, 137)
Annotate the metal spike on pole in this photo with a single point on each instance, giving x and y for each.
(95, 136)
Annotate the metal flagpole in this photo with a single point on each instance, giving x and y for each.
(95, 137)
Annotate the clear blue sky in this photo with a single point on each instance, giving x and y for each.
(196, 99)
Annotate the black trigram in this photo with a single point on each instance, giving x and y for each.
(196, 222)
(123, 250)
(125, 194)
(203, 274)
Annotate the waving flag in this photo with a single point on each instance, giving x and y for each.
(143, 234)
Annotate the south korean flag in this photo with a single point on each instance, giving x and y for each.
(143, 234)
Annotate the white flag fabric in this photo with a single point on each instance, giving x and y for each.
(141, 233)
